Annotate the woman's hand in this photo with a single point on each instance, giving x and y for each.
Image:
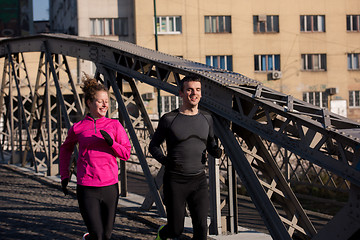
(64, 184)
(107, 137)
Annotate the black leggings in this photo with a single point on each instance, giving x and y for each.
(177, 192)
(98, 208)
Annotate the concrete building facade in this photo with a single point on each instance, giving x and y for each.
(307, 49)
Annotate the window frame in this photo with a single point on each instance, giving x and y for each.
(176, 25)
(353, 61)
(354, 99)
(308, 23)
(169, 103)
(260, 59)
(315, 62)
(222, 61)
(269, 22)
(350, 23)
(109, 26)
(217, 24)
(311, 97)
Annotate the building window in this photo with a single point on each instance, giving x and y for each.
(168, 25)
(312, 23)
(266, 63)
(223, 62)
(313, 62)
(169, 103)
(353, 61)
(264, 23)
(354, 98)
(109, 26)
(217, 24)
(316, 98)
(353, 23)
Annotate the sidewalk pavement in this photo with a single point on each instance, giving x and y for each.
(131, 206)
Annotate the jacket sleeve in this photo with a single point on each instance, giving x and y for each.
(66, 150)
(212, 143)
(121, 145)
(156, 141)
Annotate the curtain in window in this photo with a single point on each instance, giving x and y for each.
(171, 24)
(207, 24)
(349, 57)
(270, 63)
(208, 60)
(356, 61)
(213, 25)
(263, 62)
(222, 62)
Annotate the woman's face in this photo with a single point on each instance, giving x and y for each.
(99, 105)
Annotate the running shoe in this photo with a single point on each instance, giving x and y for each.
(86, 236)
(158, 233)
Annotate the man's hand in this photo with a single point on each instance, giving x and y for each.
(64, 184)
(107, 137)
(218, 153)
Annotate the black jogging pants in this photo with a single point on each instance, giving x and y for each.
(178, 191)
(98, 209)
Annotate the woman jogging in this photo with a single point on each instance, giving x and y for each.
(100, 141)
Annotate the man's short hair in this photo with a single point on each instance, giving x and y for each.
(190, 78)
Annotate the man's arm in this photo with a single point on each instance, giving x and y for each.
(212, 145)
(156, 141)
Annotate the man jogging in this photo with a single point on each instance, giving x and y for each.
(188, 133)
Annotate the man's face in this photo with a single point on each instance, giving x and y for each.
(191, 93)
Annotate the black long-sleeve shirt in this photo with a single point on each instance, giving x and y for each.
(187, 137)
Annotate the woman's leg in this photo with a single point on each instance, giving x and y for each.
(110, 199)
(89, 205)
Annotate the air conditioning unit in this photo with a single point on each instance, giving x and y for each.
(276, 75)
(332, 91)
(148, 96)
(262, 18)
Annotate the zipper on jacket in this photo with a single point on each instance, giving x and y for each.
(95, 125)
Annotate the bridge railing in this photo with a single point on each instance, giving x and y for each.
(270, 139)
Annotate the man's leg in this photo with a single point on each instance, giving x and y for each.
(174, 198)
(198, 203)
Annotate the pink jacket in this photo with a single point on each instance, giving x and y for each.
(96, 164)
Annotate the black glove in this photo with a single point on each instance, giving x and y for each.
(204, 157)
(218, 153)
(107, 138)
(64, 184)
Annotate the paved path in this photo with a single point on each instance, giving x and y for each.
(33, 209)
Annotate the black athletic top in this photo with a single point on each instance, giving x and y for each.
(187, 138)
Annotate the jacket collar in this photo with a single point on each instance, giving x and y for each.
(88, 117)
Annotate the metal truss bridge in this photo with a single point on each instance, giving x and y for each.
(272, 141)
